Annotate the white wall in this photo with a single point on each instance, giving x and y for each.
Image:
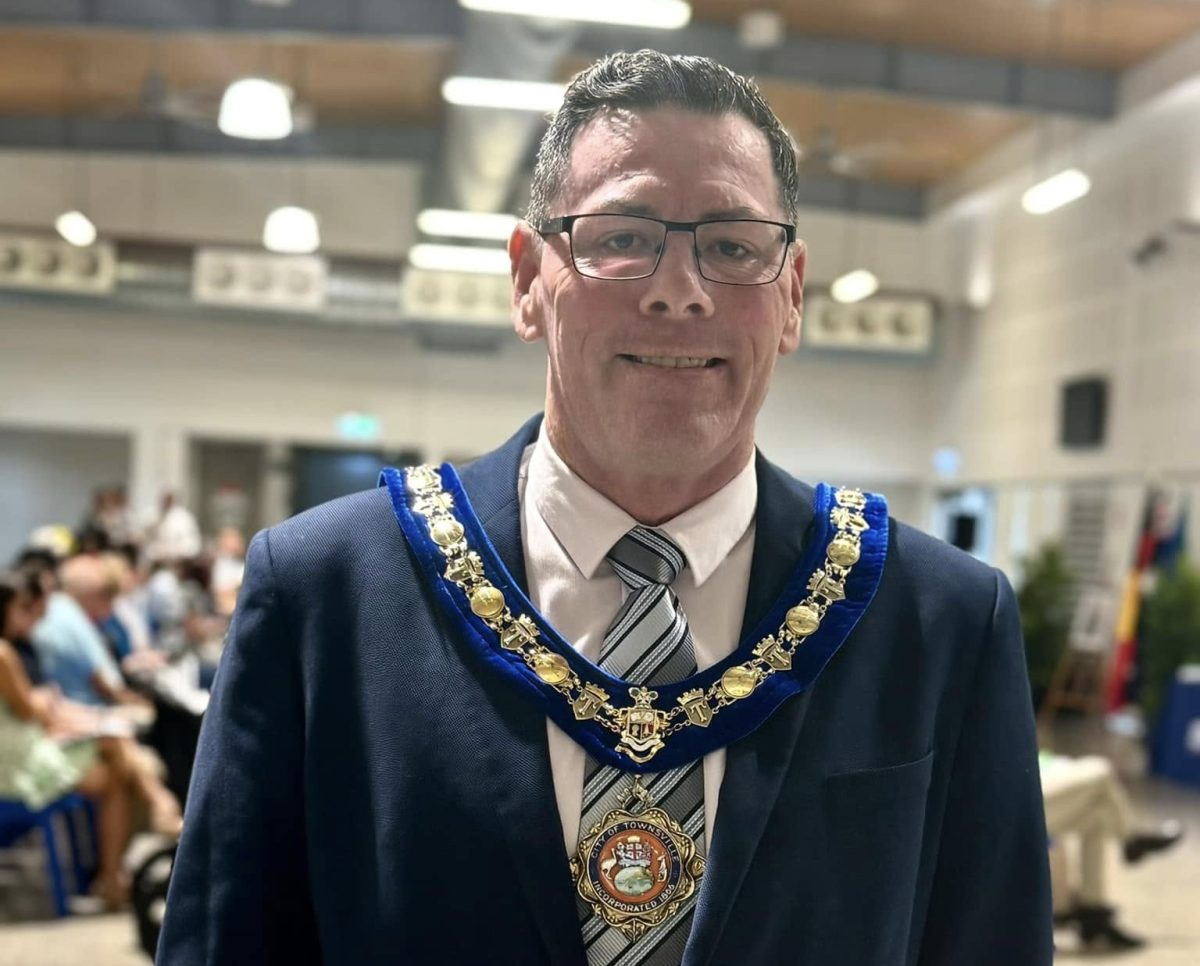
(48, 477)
(165, 380)
(1066, 300)
(1058, 296)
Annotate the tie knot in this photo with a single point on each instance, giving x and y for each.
(646, 556)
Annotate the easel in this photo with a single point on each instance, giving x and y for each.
(1080, 679)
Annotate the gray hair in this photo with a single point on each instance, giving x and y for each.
(646, 80)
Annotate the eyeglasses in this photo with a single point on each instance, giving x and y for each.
(733, 252)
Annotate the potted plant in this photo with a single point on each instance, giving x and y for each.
(1044, 599)
(1170, 634)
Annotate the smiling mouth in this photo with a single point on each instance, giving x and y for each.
(673, 362)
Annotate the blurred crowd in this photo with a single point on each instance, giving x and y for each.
(110, 633)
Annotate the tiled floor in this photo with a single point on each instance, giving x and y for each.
(1158, 899)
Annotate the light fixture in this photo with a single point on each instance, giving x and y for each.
(291, 231)
(76, 228)
(946, 462)
(661, 14)
(854, 286)
(256, 109)
(466, 224)
(1056, 191)
(459, 258)
(510, 94)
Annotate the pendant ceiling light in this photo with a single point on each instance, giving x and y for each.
(256, 109)
(291, 231)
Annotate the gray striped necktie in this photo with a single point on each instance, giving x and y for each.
(647, 643)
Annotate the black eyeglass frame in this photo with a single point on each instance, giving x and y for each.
(563, 224)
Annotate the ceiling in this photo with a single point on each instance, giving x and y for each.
(79, 72)
(900, 95)
(1103, 34)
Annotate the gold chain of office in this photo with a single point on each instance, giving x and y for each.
(643, 728)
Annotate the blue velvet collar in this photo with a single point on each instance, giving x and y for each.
(734, 721)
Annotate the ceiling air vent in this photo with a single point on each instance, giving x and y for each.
(893, 324)
(256, 280)
(45, 264)
(472, 298)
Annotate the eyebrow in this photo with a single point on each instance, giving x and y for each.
(619, 207)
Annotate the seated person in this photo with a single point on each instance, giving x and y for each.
(50, 746)
(228, 569)
(118, 620)
(1084, 797)
(72, 651)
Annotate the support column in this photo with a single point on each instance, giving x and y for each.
(275, 500)
(159, 461)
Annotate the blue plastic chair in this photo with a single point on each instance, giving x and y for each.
(16, 820)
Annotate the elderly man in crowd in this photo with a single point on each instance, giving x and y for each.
(70, 646)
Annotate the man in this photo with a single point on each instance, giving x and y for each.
(70, 646)
(173, 533)
(625, 692)
(1085, 798)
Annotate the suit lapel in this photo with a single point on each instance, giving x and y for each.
(522, 786)
(756, 765)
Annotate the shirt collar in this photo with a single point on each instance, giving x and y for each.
(587, 524)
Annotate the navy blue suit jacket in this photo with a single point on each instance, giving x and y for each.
(366, 793)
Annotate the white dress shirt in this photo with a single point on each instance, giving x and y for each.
(568, 528)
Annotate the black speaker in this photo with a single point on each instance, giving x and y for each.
(962, 531)
(1084, 409)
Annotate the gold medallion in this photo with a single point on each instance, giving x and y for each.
(739, 681)
(486, 602)
(844, 551)
(636, 868)
(446, 532)
(802, 620)
(550, 667)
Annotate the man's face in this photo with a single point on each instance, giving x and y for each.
(603, 404)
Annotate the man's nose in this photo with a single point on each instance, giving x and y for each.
(677, 289)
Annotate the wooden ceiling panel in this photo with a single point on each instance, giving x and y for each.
(900, 141)
(1106, 34)
(69, 73)
(374, 81)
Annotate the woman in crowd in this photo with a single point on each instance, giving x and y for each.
(49, 746)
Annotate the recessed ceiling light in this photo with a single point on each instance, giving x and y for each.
(505, 94)
(661, 14)
(466, 224)
(1056, 191)
(459, 258)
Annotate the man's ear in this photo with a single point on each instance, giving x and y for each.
(789, 340)
(525, 254)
